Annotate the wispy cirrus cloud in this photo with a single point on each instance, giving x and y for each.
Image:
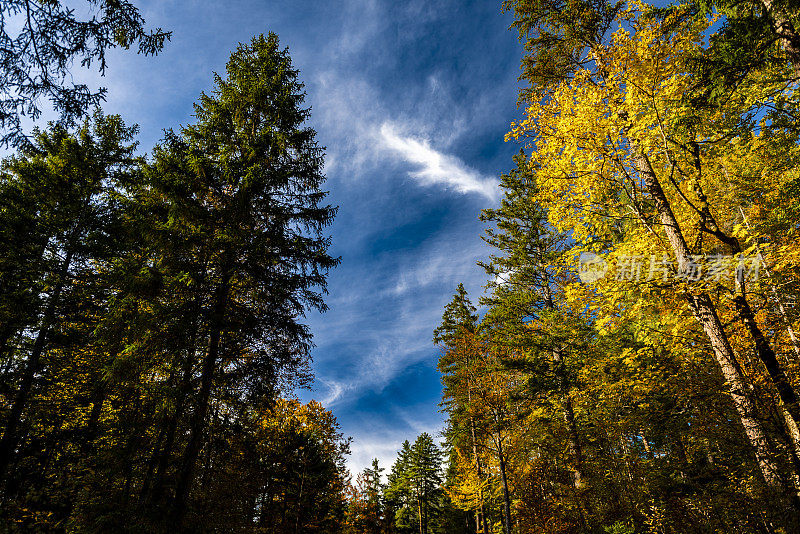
(435, 167)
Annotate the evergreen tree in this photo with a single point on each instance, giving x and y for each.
(425, 472)
(240, 187)
(400, 495)
(367, 510)
(459, 316)
(457, 335)
(36, 56)
(152, 315)
(64, 189)
(414, 488)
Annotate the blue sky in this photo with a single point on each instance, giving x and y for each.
(412, 100)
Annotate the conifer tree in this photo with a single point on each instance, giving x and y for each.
(67, 183)
(456, 335)
(414, 486)
(241, 187)
(459, 316)
(367, 510)
(36, 56)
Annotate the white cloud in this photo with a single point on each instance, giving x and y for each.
(362, 451)
(384, 441)
(363, 132)
(378, 367)
(446, 261)
(335, 391)
(437, 168)
(406, 295)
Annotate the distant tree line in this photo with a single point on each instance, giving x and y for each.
(413, 499)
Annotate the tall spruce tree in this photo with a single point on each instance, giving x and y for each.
(458, 329)
(426, 474)
(241, 187)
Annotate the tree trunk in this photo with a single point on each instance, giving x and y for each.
(299, 510)
(574, 443)
(419, 510)
(506, 498)
(481, 517)
(164, 455)
(705, 313)
(789, 408)
(646, 445)
(10, 438)
(786, 32)
(98, 397)
(151, 467)
(196, 425)
(425, 506)
(171, 427)
(569, 419)
(566, 406)
(775, 295)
